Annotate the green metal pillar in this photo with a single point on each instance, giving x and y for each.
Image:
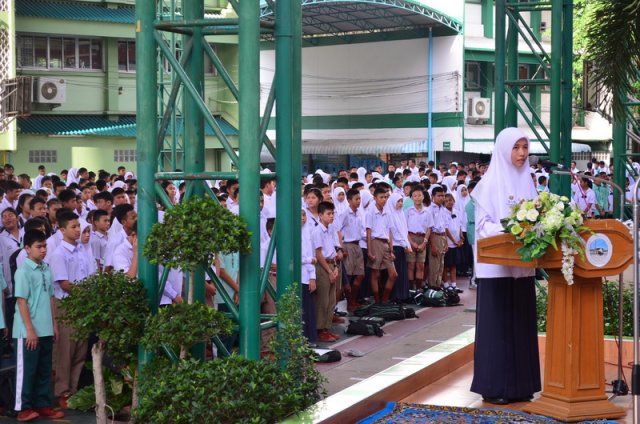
(284, 151)
(250, 145)
(487, 18)
(499, 101)
(488, 86)
(512, 74)
(194, 150)
(564, 187)
(556, 82)
(147, 148)
(296, 145)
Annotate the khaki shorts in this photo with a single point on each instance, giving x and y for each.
(414, 256)
(354, 261)
(382, 253)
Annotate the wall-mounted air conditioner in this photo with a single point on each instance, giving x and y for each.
(50, 90)
(479, 110)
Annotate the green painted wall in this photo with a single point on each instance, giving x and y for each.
(94, 152)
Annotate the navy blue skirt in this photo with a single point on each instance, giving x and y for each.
(507, 363)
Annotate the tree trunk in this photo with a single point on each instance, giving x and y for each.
(134, 399)
(97, 352)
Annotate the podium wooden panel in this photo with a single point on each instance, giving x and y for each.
(574, 383)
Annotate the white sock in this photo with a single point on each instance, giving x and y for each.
(454, 284)
(446, 284)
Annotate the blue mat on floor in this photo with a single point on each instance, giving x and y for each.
(405, 413)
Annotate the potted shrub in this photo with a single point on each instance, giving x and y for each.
(114, 308)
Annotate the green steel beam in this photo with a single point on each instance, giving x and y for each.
(487, 18)
(207, 176)
(619, 155)
(566, 110)
(499, 101)
(296, 134)
(284, 131)
(512, 73)
(146, 149)
(249, 128)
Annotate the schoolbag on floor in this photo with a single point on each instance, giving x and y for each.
(391, 312)
(364, 328)
(433, 298)
(376, 320)
(451, 297)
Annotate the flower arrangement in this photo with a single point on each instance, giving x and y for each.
(541, 222)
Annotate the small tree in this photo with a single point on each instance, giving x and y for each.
(182, 325)
(114, 307)
(192, 233)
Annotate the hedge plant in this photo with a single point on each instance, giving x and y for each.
(114, 307)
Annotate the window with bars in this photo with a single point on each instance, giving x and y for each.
(127, 56)
(124, 155)
(43, 156)
(69, 53)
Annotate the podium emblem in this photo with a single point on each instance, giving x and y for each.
(598, 250)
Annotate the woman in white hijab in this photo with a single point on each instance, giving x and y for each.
(401, 245)
(362, 176)
(72, 176)
(507, 364)
(340, 203)
(449, 181)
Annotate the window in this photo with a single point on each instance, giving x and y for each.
(124, 155)
(127, 56)
(209, 67)
(43, 156)
(472, 76)
(59, 53)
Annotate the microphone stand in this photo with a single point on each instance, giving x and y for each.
(620, 387)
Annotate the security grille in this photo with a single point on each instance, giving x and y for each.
(5, 66)
(4, 5)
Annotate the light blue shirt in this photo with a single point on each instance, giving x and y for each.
(34, 282)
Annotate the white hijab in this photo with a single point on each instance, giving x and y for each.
(449, 182)
(461, 201)
(397, 217)
(340, 206)
(503, 184)
(72, 176)
(362, 175)
(366, 199)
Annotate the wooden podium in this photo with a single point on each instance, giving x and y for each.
(574, 383)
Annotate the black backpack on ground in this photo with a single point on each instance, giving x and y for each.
(433, 298)
(364, 328)
(391, 312)
(451, 297)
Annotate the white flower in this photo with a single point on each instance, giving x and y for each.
(532, 215)
(521, 215)
(568, 261)
(559, 206)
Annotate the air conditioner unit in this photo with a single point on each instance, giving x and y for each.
(51, 90)
(479, 110)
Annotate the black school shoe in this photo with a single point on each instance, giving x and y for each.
(495, 401)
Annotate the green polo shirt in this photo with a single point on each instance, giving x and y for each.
(34, 282)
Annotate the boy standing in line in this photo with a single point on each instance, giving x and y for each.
(350, 231)
(69, 264)
(438, 238)
(419, 223)
(35, 329)
(99, 237)
(379, 245)
(325, 246)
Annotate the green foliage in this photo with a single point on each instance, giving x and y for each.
(292, 349)
(114, 307)
(610, 295)
(182, 324)
(230, 390)
(614, 46)
(193, 232)
(118, 394)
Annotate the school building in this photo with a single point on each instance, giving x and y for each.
(381, 80)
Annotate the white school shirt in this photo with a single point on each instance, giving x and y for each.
(7, 204)
(350, 224)
(418, 221)
(323, 237)
(264, 247)
(52, 244)
(269, 207)
(439, 218)
(583, 198)
(307, 256)
(173, 286)
(115, 239)
(122, 256)
(379, 222)
(99, 243)
(454, 224)
(68, 262)
(8, 245)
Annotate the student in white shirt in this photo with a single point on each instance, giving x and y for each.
(308, 282)
(99, 237)
(585, 197)
(379, 245)
(11, 195)
(454, 244)
(127, 217)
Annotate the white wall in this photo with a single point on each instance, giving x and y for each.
(376, 78)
